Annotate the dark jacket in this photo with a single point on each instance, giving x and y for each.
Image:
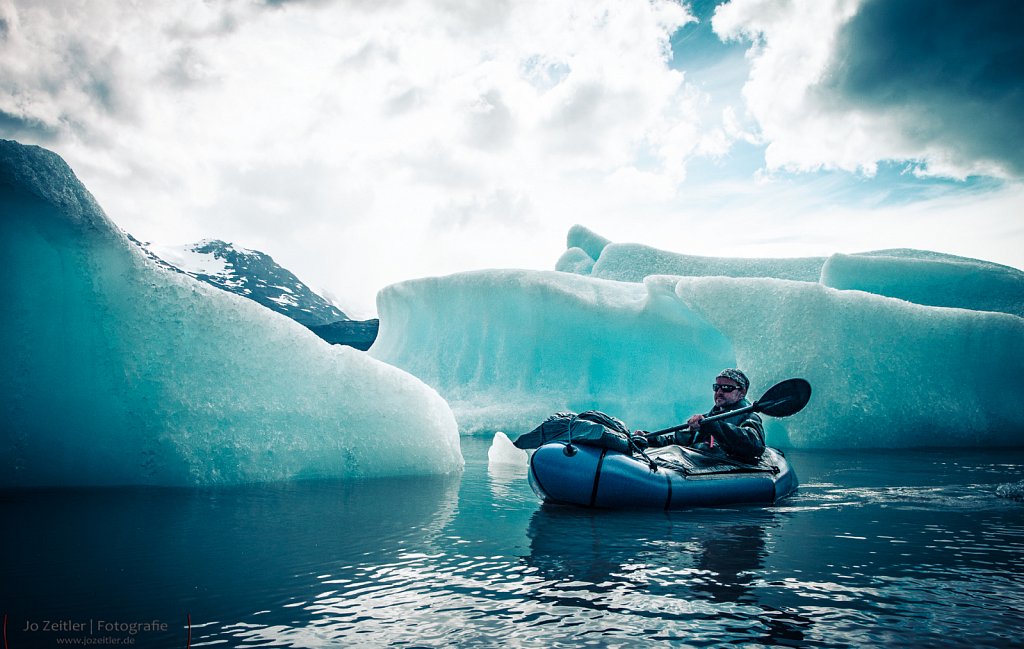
(740, 437)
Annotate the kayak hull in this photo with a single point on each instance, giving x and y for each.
(591, 476)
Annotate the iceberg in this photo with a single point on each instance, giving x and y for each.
(120, 371)
(886, 372)
(503, 452)
(919, 276)
(632, 262)
(929, 278)
(575, 260)
(589, 242)
(509, 347)
(588, 253)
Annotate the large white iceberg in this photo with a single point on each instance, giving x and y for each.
(507, 348)
(929, 278)
(119, 371)
(920, 276)
(588, 253)
(885, 372)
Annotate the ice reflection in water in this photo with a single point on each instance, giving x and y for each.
(900, 549)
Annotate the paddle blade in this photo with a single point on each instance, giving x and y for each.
(784, 399)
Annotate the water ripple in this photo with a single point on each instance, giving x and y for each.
(868, 553)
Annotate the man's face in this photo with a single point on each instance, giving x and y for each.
(729, 393)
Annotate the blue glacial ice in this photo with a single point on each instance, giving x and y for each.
(119, 371)
(588, 253)
(929, 278)
(507, 348)
(920, 276)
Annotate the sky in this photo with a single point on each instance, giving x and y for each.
(366, 142)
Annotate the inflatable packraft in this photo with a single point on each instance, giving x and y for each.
(589, 460)
(675, 477)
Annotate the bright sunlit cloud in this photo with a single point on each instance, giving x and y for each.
(364, 143)
(846, 84)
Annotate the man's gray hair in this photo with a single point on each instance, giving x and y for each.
(737, 376)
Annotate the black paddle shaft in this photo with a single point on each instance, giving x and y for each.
(781, 400)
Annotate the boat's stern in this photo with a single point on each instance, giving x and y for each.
(786, 481)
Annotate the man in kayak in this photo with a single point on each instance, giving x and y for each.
(740, 437)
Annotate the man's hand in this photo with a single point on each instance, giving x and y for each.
(694, 422)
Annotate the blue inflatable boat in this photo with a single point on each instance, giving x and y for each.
(591, 459)
(671, 477)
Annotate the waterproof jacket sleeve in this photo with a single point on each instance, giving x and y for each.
(741, 437)
(743, 441)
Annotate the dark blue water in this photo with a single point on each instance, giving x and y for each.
(899, 548)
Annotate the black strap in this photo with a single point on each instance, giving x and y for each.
(597, 476)
(668, 497)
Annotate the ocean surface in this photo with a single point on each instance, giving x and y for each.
(921, 548)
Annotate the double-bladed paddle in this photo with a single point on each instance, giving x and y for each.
(781, 400)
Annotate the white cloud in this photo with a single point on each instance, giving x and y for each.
(312, 129)
(792, 46)
(362, 143)
(846, 84)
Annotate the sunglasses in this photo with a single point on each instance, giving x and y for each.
(718, 387)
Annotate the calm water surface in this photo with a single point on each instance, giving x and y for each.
(891, 549)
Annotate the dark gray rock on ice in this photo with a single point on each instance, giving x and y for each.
(356, 333)
(256, 276)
